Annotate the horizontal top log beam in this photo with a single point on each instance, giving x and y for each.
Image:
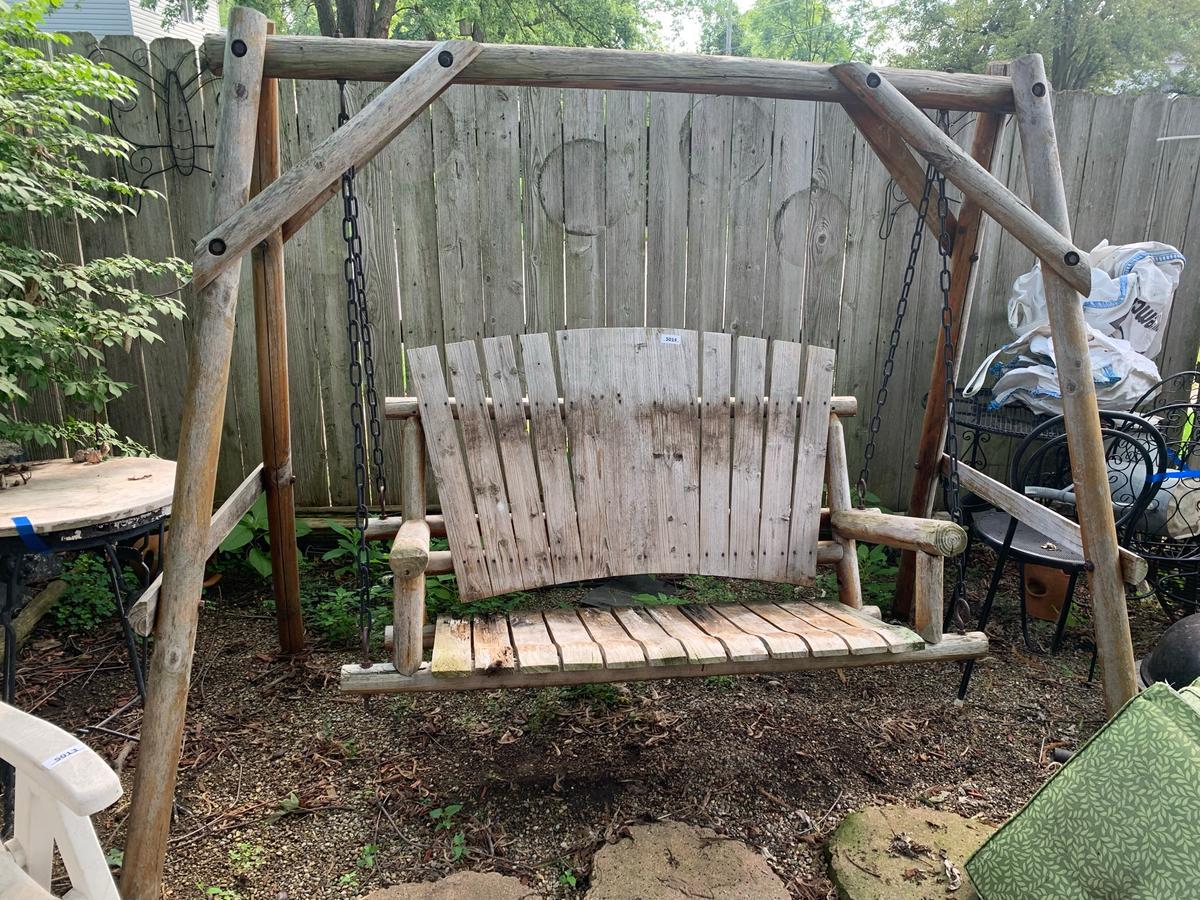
(374, 59)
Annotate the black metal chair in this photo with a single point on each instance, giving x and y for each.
(1181, 387)
(1041, 469)
(1167, 533)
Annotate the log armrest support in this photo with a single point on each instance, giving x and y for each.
(410, 549)
(932, 536)
(409, 561)
(931, 539)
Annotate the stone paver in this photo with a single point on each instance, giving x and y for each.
(895, 853)
(673, 861)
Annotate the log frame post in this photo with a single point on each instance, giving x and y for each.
(409, 559)
(1039, 147)
(270, 334)
(964, 254)
(837, 479)
(195, 477)
(928, 601)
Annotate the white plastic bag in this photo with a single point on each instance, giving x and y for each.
(1121, 374)
(1133, 286)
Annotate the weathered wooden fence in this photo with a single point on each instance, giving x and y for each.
(506, 210)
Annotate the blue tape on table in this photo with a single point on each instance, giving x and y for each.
(28, 536)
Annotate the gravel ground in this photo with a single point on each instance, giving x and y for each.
(288, 789)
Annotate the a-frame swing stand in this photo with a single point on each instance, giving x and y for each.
(884, 104)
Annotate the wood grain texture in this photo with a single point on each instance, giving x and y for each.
(1053, 248)
(383, 679)
(583, 207)
(749, 205)
(812, 441)
(450, 472)
(456, 157)
(708, 211)
(625, 182)
(549, 437)
(715, 453)
(352, 145)
(667, 211)
(196, 475)
(792, 144)
(516, 452)
(485, 470)
(1114, 647)
(542, 209)
(499, 164)
(837, 482)
(745, 491)
(927, 597)
(366, 59)
(779, 461)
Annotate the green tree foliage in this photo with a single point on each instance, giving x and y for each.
(58, 319)
(809, 30)
(573, 23)
(1094, 44)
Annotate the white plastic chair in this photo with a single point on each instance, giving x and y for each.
(59, 784)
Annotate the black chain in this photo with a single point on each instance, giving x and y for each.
(951, 484)
(362, 384)
(889, 364)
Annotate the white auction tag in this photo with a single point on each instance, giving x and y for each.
(670, 338)
(62, 756)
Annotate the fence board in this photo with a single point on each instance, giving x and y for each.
(542, 176)
(749, 202)
(787, 218)
(130, 415)
(416, 235)
(1176, 213)
(832, 146)
(708, 207)
(456, 186)
(667, 213)
(625, 141)
(1139, 165)
(583, 207)
(377, 224)
(500, 210)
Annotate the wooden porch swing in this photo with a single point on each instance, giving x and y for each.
(657, 458)
(670, 450)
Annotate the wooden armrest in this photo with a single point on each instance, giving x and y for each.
(57, 763)
(410, 549)
(931, 536)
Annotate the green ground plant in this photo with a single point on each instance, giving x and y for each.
(88, 601)
(250, 540)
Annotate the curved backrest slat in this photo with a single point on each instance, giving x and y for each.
(671, 451)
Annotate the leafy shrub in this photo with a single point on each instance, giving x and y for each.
(346, 550)
(59, 320)
(88, 600)
(250, 540)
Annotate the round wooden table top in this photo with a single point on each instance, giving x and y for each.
(62, 495)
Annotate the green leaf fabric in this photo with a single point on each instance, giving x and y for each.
(1120, 821)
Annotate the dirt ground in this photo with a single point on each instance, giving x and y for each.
(290, 790)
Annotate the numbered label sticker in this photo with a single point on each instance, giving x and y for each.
(670, 338)
(62, 756)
